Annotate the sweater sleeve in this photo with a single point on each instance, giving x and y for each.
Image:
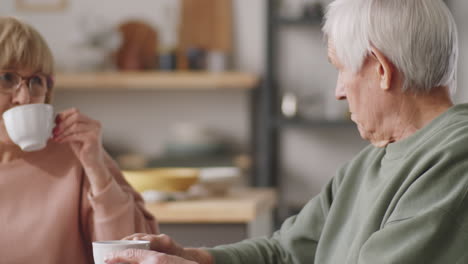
(116, 212)
(294, 243)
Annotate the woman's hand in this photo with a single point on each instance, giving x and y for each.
(85, 138)
(140, 256)
(165, 244)
(83, 134)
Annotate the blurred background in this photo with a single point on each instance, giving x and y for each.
(239, 84)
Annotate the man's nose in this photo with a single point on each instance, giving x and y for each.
(21, 96)
(340, 92)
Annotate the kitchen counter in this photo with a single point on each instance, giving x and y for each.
(211, 221)
(239, 206)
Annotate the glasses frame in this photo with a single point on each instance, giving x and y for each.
(27, 79)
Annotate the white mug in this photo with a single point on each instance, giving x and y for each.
(102, 248)
(29, 126)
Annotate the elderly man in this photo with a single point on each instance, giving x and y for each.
(404, 198)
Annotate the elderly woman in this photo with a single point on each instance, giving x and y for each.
(56, 201)
(404, 198)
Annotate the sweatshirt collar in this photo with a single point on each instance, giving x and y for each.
(400, 148)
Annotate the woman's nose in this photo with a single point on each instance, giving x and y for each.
(21, 96)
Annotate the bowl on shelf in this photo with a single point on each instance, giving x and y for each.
(162, 179)
(218, 180)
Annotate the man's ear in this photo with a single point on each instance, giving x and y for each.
(384, 68)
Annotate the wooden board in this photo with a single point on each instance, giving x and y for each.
(205, 24)
(222, 26)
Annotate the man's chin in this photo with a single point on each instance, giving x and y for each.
(381, 143)
(376, 142)
(362, 131)
(367, 136)
(363, 135)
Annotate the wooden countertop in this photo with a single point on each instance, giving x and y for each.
(238, 206)
(154, 80)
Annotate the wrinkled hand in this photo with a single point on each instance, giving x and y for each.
(83, 134)
(140, 256)
(161, 243)
(164, 244)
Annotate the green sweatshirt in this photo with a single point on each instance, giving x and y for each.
(405, 203)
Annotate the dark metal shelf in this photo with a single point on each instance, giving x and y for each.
(312, 123)
(309, 21)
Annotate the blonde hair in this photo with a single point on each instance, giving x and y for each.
(21, 46)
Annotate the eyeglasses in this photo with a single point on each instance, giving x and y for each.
(37, 84)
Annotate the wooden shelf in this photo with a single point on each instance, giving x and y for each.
(309, 21)
(313, 123)
(153, 80)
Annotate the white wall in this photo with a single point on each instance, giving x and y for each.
(459, 9)
(140, 121)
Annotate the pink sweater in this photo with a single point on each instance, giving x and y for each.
(48, 215)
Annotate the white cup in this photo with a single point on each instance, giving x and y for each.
(102, 248)
(29, 126)
(216, 61)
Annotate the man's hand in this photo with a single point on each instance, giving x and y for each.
(140, 256)
(165, 244)
(161, 243)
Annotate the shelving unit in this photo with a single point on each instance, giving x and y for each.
(156, 81)
(270, 121)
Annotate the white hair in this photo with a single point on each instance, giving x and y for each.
(418, 36)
